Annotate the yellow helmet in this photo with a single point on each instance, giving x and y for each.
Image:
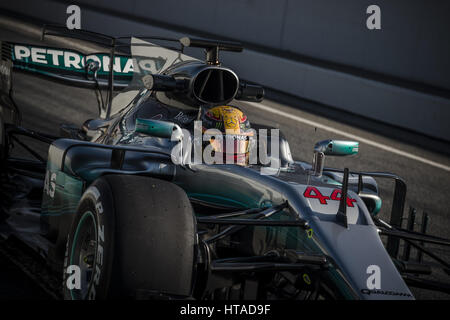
(234, 125)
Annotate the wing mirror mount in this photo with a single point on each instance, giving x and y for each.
(331, 148)
(158, 128)
(164, 129)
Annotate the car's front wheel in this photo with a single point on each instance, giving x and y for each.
(132, 237)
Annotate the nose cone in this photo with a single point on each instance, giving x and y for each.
(357, 249)
(362, 258)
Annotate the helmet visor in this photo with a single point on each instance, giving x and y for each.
(233, 147)
(230, 144)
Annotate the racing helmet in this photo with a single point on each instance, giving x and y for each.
(233, 145)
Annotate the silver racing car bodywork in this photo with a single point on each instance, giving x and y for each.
(354, 250)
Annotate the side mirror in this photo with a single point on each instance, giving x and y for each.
(250, 92)
(337, 147)
(158, 128)
(331, 148)
(168, 130)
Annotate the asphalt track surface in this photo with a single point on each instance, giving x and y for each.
(46, 104)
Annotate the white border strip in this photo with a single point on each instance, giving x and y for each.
(349, 135)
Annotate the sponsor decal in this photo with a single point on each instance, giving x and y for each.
(53, 60)
(183, 118)
(373, 284)
(385, 292)
(100, 242)
(158, 116)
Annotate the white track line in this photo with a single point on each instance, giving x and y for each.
(349, 135)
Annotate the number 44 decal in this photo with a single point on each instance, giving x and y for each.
(313, 192)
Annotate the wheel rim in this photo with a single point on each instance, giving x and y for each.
(84, 254)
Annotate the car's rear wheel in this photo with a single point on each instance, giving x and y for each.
(132, 237)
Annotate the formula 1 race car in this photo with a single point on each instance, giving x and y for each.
(172, 192)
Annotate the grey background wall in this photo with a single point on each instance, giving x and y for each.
(318, 49)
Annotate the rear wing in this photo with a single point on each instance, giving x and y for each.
(110, 67)
(68, 65)
(72, 66)
(64, 65)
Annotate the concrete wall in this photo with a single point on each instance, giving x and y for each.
(320, 50)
